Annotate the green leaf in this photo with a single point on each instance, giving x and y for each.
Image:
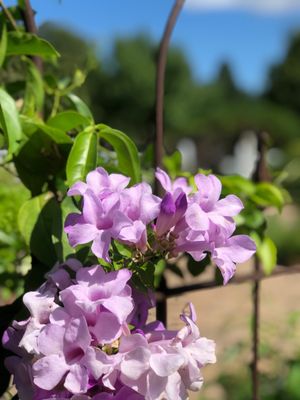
(267, 253)
(6, 239)
(196, 268)
(83, 156)
(34, 90)
(22, 43)
(173, 164)
(160, 266)
(291, 382)
(143, 277)
(59, 237)
(127, 153)
(81, 107)
(3, 44)
(9, 122)
(267, 194)
(35, 220)
(68, 120)
(39, 160)
(236, 184)
(251, 217)
(31, 125)
(57, 135)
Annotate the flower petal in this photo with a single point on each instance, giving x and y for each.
(166, 364)
(107, 328)
(229, 206)
(77, 379)
(49, 371)
(76, 339)
(78, 231)
(196, 218)
(50, 339)
(135, 363)
(164, 179)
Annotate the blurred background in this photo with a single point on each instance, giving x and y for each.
(233, 71)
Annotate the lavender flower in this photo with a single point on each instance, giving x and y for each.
(110, 211)
(77, 343)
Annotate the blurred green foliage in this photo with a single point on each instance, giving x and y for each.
(13, 261)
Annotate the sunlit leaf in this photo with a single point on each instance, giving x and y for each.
(266, 252)
(173, 163)
(83, 156)
(23, 43)
(238, 185)
(3, 44)
(68, 120)
(81, 107)
(36, 218)
(34, 90)
(9, 122)
(267, 194)
(127, 153)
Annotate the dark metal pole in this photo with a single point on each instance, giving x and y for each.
(261, 174)
(161, 306)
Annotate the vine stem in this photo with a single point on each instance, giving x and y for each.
(160, 80)
(8, 15)
(261, 174)
(30, 26)
(161, 307)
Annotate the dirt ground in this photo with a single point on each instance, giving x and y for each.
(224, 314)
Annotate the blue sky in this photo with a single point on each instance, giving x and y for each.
(250, 35)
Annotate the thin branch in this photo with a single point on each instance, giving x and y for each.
(161, 306)
(28, 15)
(30, 26)
(9, 15)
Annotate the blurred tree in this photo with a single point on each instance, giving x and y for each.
(284, 81)
(123, 93)
(76, 54)
(75, 51)
(120, 90)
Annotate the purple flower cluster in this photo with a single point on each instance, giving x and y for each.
(197, 221)
(87, 335)
(111, 211)
(82, 342)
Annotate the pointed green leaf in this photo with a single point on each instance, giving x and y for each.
(22, 43)
(267, 253)
(127, 153)
(35, 220)
(83, 156)
(34, 90)
(3, 44)
(57, 135)
(267, 195)
(9, 121)
(59, 237)
(68, 120)
(31, 125)
(81, 107)
(173, 163)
